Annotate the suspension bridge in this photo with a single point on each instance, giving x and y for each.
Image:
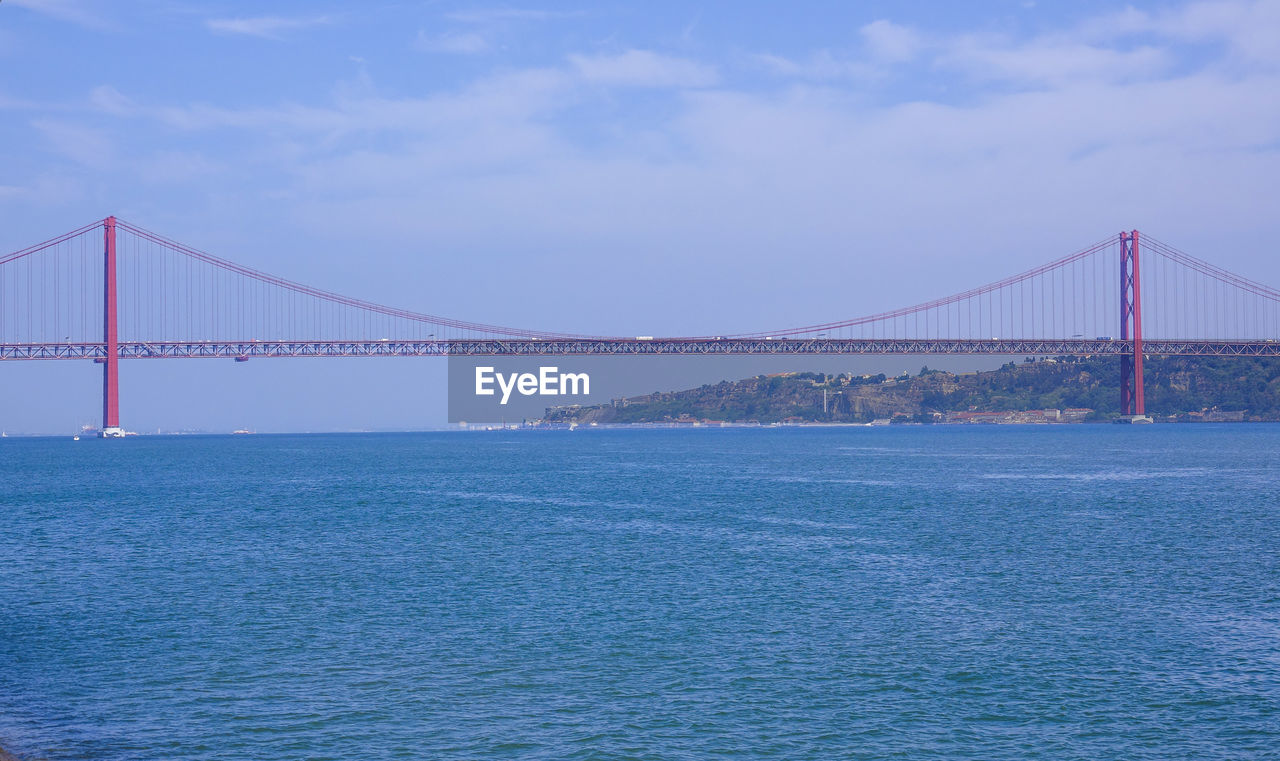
(112, 290)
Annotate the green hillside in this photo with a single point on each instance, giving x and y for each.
(1184, 387)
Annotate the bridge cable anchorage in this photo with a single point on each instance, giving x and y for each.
(112, 290)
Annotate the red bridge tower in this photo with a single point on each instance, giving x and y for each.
(1132, 408)
(111, 363)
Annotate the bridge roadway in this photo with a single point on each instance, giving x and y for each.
(523, 347)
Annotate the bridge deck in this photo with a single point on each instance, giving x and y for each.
(634, 347)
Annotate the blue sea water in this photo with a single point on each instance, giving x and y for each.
(1076, 592)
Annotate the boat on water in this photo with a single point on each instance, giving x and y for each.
(240, 432)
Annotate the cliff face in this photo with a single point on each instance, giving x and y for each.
(1174, 386)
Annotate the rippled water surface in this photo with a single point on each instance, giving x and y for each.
(1082, 592)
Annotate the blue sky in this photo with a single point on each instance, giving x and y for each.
(655, 168)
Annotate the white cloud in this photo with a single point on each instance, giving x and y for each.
(884, 44)
(74, 11)
(267, 27)
(81, 144)
(464, 43)
(492, 15)
(890, 42)
(1051, 61)
(512, 95)
(1248, 28)
(822, 65)
(175, 167)
(16, 104)
(643, 68)
(110, 100)
(51, 188)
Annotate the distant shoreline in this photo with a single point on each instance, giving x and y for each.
(663, 425)
(1045, 390)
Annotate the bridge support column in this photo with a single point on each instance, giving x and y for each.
(111, 363)
(1132, 405)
